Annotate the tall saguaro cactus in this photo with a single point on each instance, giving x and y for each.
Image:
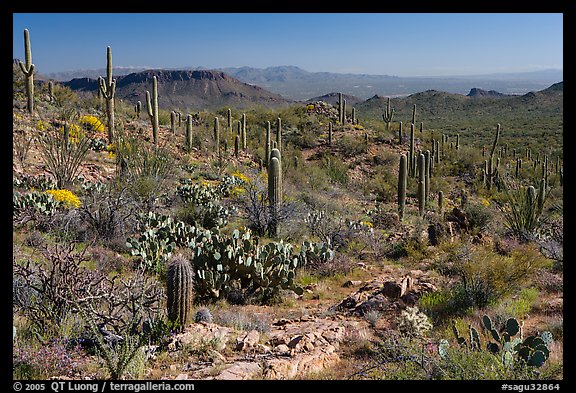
(412, 168)
(330, 134)
(421, 183)
(414, 114)
(108, 88)
(189, 132)
(267, 145)
(340, 108)
(28, 71)
(388, 115)
(180, 291)
(279, 134)
(244, 144)
(402, 180)
(274, 189)
(152, 107)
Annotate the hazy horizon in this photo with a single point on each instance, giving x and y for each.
(403, 45)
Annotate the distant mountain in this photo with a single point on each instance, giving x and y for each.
(298, 84)
(436, 108)
(476, 92)
(332, 99)
(188, 90)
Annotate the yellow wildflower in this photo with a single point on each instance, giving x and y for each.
(65, 196)
(485, 202)
(368, 224)
(241, 176)
(40, 125)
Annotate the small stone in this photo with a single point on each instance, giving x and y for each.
(181, 376)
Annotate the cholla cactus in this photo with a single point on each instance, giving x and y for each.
(413, 322)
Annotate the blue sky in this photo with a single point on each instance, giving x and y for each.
(429, 44)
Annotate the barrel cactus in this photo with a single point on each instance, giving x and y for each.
(180, 290)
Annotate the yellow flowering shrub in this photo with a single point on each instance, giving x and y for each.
(310, 107)
(74, 132)
(241, 176)
(67, 197)
(92, 123)
(41, 125)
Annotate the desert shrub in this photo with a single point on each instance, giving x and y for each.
(479, 216)
(240, 320)
(63, 153)
(107, 210)
(54, 358)
(352, 146)
(485, 277)
(336, 169)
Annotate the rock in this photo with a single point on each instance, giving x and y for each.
(181, 376)
(351, 283)
(240, 371)
(282, 349)
(282, 322)
(391, 289)
(295, 341)
(249, 340)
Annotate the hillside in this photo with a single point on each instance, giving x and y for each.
(332, 99)
(200, 256)
(187, 90)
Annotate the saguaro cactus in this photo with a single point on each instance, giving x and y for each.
(274, 189)
(108, 88)
(189, 132)
(268, 144)
(173, 122)
(236, 145)
(340, 108)
(330, 134)
(244, 144)
(400, 134)
(279, 134)
(388, 115)
(411, 156)
(180, 290)
(138, 109)
(50, 91)
(440, 202)
(216, 136)
(353, 115)
(152, 107)
(230, 119)
(402, 180)
(414, 114)
(427, 159)
(28, 71)
(421, 183)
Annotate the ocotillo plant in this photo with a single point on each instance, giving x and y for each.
(268, 144)
(244, 145)
(279, 134)
(189, 132)
(28, 71)
(173, 122)
(388, 115)
(402, 180)
(216, 136)
(152, 108)
(421, 183)
(180, 291)
(274, 190)
(330, 134)
(108, 88)
(491, 172)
